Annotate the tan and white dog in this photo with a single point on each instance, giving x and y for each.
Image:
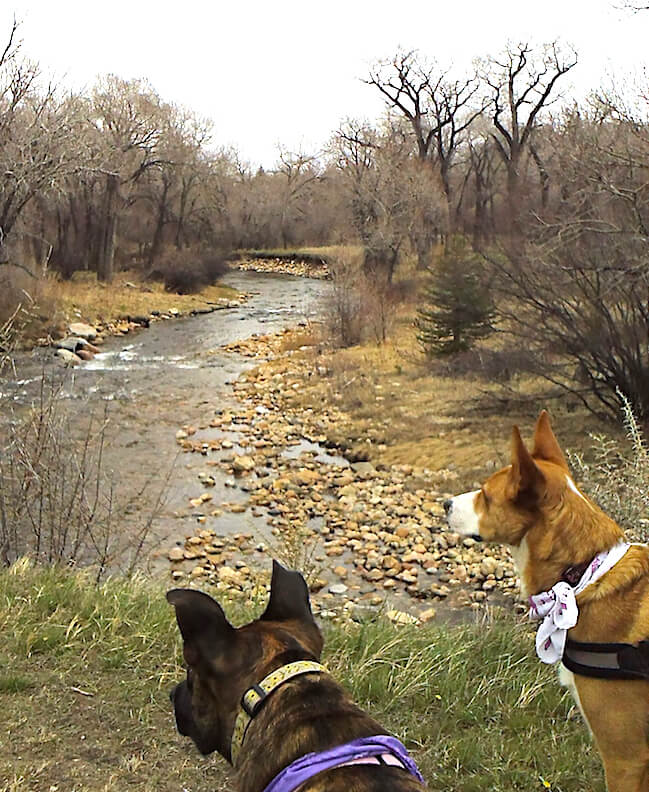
(534, 507)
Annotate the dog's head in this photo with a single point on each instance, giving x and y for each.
(534, 506)
(512, 500)
(223, 661)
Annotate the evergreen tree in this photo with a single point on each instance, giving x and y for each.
(457, 304)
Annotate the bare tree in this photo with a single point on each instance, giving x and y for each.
(438, 108)
(172, 185)
(38, 138)
(576, 296)
(128, 121)
(393, 195)
(297, 171)
(522, 86)
(482, 164)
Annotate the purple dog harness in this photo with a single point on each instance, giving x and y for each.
(378, 750)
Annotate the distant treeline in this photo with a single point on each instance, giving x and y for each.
(552, 194)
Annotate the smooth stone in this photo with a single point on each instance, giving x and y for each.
(83, 330)
(69, 358)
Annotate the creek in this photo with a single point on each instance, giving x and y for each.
(151, 382)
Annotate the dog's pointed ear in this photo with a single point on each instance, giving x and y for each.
(289, 596)
(524, 477)
(205, 630)
(545, 443)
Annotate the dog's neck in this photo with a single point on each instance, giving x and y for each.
(307, 714)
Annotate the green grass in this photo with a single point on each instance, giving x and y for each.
(85, 673)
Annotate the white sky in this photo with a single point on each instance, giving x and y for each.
(288, 71)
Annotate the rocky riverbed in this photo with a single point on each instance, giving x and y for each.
(209, 409)
(371, 538)
(284, 266)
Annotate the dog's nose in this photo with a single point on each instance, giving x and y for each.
(447, 505)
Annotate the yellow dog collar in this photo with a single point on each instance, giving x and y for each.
(254, 696)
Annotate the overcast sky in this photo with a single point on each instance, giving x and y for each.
(287, 71)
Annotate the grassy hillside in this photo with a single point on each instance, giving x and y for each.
(85, 673)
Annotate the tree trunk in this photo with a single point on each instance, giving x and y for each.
(544, 177)
(106, 256)
(156, 242)
(513, 195)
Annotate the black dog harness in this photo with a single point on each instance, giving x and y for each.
(603, 660)
(607, 660)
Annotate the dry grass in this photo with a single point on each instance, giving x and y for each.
(59, 302)
(456, 425)
(309, 336)
(84, 675)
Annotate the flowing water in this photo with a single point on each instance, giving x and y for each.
(153, 381)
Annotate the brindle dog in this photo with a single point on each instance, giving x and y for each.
(308, 713)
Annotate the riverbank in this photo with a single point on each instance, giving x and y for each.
(302, 264)
(112, 308)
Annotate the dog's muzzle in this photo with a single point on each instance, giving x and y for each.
(448, 510)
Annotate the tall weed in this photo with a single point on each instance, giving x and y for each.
(59, 504)
(618, 479)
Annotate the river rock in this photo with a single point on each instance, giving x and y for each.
(243, 464)
(401, 617)
(83, 330)
(338, 588)
(68, 358)
(72, 343)
(307, 477)
(230, 576)
(176, 554)
(488, 566)
(363, 613)
(363, 468)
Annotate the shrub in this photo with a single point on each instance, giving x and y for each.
(189, 270)
(359, 307)
(457, 305)
(342, 304)
(618, 479)
(58, 503)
